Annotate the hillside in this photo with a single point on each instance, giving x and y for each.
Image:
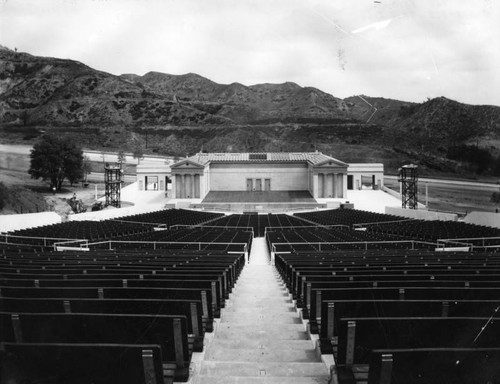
(180, 114)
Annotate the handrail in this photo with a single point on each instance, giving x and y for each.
(7, 236)
(67, 245)
(468, 241)
(382, 222)
(155, 243)
(137, 222)
(366, 243)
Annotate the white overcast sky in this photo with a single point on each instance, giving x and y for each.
(402, 49)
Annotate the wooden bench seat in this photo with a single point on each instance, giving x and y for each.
(191, 309)
(169, 332)
(52, 363)
(65, 293)
(435, 366)
(333, 311)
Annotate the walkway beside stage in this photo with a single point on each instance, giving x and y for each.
(260, 336)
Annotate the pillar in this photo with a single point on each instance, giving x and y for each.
(178, 186)
(321, 183)
(188, 186)
(183, 187)
(330, 185)
(340, 185)
(197, 186)
(315, 186)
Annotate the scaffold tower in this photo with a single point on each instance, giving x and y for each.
(408, 177)
(113, 183)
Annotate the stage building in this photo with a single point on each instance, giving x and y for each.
(311, 173)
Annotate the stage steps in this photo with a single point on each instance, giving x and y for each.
(260, 337)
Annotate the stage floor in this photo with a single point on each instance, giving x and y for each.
(259, 197)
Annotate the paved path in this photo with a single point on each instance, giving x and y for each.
(260, 337)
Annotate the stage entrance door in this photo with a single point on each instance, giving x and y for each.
(258, 185)
(249, 185)
(267, 184)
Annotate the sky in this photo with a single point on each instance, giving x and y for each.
(402, 49)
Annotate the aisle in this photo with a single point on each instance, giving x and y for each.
(260, 337)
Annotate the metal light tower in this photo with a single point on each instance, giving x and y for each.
(113, 184)
(409, 186)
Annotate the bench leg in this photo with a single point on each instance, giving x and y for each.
(149, 368)
(386, 369)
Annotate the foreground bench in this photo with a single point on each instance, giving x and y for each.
(359, 336)
(81, 363)
(334, 310)
(191, 309)
(434, 366)
(169, 332)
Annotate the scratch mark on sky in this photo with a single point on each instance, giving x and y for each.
(377, 25)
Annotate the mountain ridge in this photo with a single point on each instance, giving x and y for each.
(53, 92)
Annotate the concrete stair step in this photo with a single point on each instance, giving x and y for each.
(238, 318)
(263, 343)
(263, 296)
(264, 369)
(238, 336)
(263, 302)
(243, 309)
(259, 379)
(275, 355)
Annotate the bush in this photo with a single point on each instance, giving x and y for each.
(495, 197)
(4, 195)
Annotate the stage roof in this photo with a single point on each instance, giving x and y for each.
(315, 158)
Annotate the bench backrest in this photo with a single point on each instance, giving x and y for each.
(81, 363)
(359, 336)
(435, 366)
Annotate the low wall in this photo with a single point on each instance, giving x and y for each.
(27, 220)
(391, 192)
(421, 214)
(112, 213)
(489, 219)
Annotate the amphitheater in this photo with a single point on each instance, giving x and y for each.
(243, 268)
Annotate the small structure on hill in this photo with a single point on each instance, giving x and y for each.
(408, 177)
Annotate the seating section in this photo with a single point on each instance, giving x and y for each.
(376, 311)
(162, 302)
(137, 301)
(171, 217)
(322, 239)
(212, 238)
(347, 217)
(109, 229)
(259, 223)
(435, 230)
(384, 224)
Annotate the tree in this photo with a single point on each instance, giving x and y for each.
(121, 157)
(138, 153)
(54, 159)
(86, 168)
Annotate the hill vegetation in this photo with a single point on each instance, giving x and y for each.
(182, 114)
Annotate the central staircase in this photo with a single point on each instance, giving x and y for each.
(260, 337)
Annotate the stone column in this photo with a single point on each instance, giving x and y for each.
(330, 191)
(344, 185)
(183, 187)
(174, 186)
(188, 185)
(340, 188)
(321, 183)
(315, 186)
(196, 186)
